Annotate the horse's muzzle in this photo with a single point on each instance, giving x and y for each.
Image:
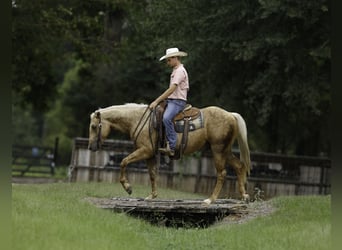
(93, 146)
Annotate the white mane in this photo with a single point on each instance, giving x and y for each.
(135, 105)
(124, 107)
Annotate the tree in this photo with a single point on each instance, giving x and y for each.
(45, 36)
(268, 60)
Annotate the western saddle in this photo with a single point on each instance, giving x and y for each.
(187, 114)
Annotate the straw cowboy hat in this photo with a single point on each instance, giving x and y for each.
(173, 52)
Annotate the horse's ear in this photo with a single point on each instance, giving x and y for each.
(97, 114)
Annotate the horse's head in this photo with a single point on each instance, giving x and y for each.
(98, 131)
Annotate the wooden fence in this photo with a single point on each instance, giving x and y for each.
(34, 159)
(271, 175)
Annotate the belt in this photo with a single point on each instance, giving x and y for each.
(174, 99)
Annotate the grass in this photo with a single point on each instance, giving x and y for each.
(60, 171)
(56, 216)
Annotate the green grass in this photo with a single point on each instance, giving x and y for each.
(56, 216)
(60, 171)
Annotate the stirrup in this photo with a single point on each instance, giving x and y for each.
(167, 150)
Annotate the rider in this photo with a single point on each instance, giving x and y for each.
(175, 95)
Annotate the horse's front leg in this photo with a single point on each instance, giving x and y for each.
(151, 164)
(137, 155)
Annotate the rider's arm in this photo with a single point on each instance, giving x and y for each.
(163, 96)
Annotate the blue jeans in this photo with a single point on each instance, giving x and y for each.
(174, 106)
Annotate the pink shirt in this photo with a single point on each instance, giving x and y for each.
(179, 76)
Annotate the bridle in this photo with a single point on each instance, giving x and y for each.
(136, 132)
(98, 142)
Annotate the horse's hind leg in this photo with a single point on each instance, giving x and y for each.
(241, 173)
(220, 162)
(151, 164)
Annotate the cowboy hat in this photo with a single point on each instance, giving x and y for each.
(173, 52)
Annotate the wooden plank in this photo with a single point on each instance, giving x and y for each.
(177, 213)
(168, 204)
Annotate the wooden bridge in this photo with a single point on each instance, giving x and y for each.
(173, 213)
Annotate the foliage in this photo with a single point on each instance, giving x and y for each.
(268, 60)
(57, 216)
(20, 132)
(37, 30)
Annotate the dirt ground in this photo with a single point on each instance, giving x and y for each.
(254, 210)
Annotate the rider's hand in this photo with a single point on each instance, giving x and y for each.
(153, 105)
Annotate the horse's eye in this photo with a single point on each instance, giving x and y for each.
(93, 126)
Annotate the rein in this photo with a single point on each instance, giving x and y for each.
(135, 136)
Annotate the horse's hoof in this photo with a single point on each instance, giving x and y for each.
(245, 198)
(151, 196)
(127, 187)
(207, 201)
(129, 190)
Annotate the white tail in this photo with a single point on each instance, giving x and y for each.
(243, 143)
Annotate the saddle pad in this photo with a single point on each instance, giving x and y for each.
(194, 124)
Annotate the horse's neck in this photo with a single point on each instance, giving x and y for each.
(122, 119)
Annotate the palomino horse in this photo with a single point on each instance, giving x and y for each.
(221, 129)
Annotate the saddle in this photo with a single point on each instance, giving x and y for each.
(186, 115)
(188, 112)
